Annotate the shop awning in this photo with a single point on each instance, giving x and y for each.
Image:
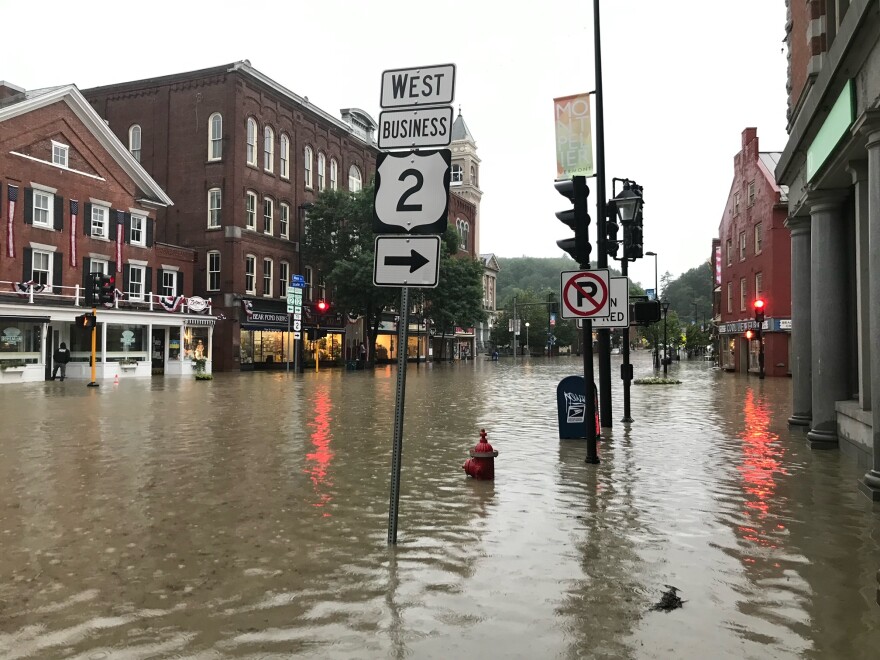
(24, 319)
(198, 321)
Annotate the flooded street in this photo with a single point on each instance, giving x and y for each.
(246, 517)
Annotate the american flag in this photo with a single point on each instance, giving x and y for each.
(10, 235)
(74, 211)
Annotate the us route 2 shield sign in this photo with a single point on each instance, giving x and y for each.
(407, 261)
(412, 192)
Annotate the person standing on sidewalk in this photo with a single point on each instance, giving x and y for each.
(61, 357)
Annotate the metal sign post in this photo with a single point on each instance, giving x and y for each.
(411, 199)
(397, 446)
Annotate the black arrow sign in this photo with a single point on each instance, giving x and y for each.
(415, 260)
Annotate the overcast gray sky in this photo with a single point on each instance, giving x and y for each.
(682, 79)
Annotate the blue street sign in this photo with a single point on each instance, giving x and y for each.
(298, 281)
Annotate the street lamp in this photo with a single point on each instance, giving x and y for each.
(665, 306)
(527, 339)
(656, 297)
(628, 206)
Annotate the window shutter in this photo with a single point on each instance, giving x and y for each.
(159, 279)
(126, 269)
(28, 210)
(57, 270)
(27, 271)
(59, 212)
(150, 223)
(87, 219)
(148, 280)
(127, 231)
(179, 283)
(87, 276)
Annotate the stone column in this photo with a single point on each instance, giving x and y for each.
(859, 172)
(801, 361)
(871, 484)
(827, 315)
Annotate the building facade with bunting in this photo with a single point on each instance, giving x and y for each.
(73, 201)
(244, 158)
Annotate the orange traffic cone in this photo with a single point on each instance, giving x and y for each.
(116, 380)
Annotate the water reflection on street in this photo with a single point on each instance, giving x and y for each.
(247, 517)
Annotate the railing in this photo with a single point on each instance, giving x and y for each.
(34, 292)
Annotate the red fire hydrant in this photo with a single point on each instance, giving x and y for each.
(481, 465)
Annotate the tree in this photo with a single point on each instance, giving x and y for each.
(457, 300)
(338, 244)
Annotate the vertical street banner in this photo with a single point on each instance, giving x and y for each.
(574, 137)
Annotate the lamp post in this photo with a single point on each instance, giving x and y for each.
(628, 207)
(665, 305)
(528, 350)
(656, 297)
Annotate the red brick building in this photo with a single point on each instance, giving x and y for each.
(73, 201)
(243, 157)
(755, 256)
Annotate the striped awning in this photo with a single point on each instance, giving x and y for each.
(199, 321)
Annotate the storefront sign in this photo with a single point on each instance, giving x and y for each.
(770, 325)
(197, 304)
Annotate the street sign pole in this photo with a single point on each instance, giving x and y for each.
(397, 446)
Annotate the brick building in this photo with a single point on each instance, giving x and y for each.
(243, 157)
(831, 165)
(755, 255)
(74, 201)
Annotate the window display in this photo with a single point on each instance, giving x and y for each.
(19, 342)
(195, 343)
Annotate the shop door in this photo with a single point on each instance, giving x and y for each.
(157, 348)
(52, 340)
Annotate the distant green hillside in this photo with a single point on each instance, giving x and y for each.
(531, 273)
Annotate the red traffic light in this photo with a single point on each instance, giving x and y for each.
(322, 306)
(758, 304)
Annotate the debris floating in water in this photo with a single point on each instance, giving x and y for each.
(669, 601)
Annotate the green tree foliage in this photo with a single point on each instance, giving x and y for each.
(338, 244)
(457, 300)
(691, 294)
(533, 307)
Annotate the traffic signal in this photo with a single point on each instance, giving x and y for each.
(758, 306)
(93, 290)
(322, 306)
(577, 218)
(107, 290)
(632, 239)
(611, 229)
(86, 321)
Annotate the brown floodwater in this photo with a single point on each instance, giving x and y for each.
(247, 517)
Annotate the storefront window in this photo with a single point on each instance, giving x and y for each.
(126, 342)
(195, 342)
(19, 342)
(174, 344)
(81, 343)
(246, 347)
(269, 347)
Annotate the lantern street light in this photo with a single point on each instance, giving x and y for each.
(528, 350)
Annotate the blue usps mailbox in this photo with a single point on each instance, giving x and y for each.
(571, 407)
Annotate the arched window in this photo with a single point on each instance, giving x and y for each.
(355, 183)
(473, 175)
(268, 149)
(457, 173)
(250, 274)
(215, 206)
(267, 277)
(283, 220)
(215, 136)
(463, 232)
(250, 210)
(134, 142)
(268, 214)
(308, 166)
(284, 156)
(322, 166)
(334, 174)
(252, 141)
